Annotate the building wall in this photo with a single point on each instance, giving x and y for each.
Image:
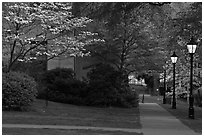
(60, 62)
(80, 65)
(83, 66)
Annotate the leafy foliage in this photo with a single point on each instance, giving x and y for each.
(34, 29)
(62, 73)
(141, 36)
(138, 37)
(18, 91)
(60, 85)
(188, 22)
(135, 34)
(106, 88)
(103, 89)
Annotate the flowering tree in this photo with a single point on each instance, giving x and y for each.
(43, 28)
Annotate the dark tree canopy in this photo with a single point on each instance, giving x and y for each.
(141, 36)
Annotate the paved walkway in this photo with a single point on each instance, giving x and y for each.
(156, 120)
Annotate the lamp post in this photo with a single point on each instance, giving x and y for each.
(191, 49)
(174, 59)
(164, 96)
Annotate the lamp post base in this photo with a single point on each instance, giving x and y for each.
(191, 108)
(174, 105)
(191, 113)
(164, 101)
(143, 98)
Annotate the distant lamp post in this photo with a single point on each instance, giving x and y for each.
(164, 93)
(191, 49)
(174, 58)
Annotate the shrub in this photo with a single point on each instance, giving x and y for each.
(106, 88)
(50, 76)
(18, 91)
(49, 81)
(198, 97)
(60, 85)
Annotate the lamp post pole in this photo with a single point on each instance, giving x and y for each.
(191, 100)
(174, 59)
(164, 96)
(191, 49)
(174, 98)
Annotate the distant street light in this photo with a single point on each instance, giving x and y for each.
(191, 49)
(164, 93)
(174, 58)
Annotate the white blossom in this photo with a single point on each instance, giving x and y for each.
(51, 19)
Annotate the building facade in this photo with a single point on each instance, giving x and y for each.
(80, 65)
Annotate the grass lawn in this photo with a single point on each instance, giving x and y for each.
(181, 113)
(65, 114)
(15, 131)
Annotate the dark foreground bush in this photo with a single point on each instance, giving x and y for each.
(60, 85)
(106, 88)
(18, 91)
(198, 97)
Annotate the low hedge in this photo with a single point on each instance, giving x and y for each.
(104, 88)
(60, 85)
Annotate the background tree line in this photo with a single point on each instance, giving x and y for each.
(130, 37)
(140, 37)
